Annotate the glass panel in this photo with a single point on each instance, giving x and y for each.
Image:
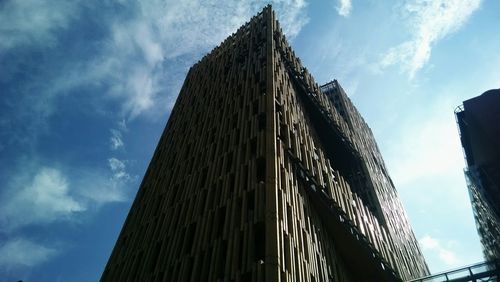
(438, 278)
(459, 274)
(479, 268)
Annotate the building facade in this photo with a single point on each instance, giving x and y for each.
(263, 175)
(479, 124)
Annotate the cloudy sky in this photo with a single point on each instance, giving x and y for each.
(86, 89)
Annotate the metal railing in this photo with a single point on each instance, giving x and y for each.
(360, 252)
(484, 271)
(367, 255)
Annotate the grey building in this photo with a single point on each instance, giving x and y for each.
(479, 124)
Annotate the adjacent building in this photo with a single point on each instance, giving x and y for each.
(479, 124)
(263, 175)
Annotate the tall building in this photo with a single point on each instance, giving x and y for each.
(479, 124)
(262, 175)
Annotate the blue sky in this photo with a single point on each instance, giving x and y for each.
(86, 89)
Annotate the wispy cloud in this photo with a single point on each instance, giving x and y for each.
(134, 63)
(116, 139)
(106, 187)
(22, 252)
(344, 7)
(118, 169)
(34, 22)
(136, 58)
(434, 247)
(292, 15)
(42, 199)
(40, 195)
(430, 21)
(133, 59)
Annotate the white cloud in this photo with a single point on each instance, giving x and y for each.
(42, 199)
(122, 125)
(134, 62)
(344, 8)
(292, 16)
(427, 242)
(137, 57)
(187, 26)
(118, 169)
(116, 139)
(107, 188)
(33, 22)
(433, 247)
(134, 59)
(104, 188)
(23, 252)
(430, 21)
(449, 257)
(42, 195)
(116, 165)
(141, 60)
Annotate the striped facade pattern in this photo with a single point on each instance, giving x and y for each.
(222, 199)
